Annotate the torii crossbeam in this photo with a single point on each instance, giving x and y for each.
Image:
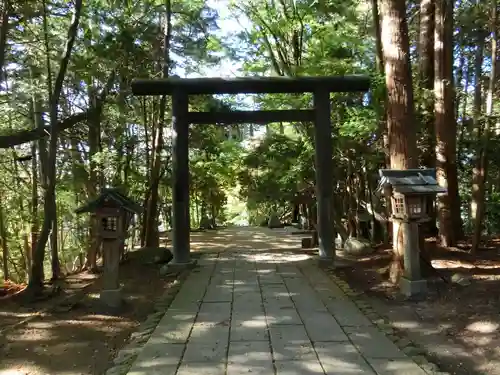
(181, 88)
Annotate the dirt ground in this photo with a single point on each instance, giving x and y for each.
(458, 325)
(71, 334)
(76, 336)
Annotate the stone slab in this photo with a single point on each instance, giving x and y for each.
(248, 318)
(250, 352)
(305, 307)
(280, 316)
(202, 333)
(347, 314)
(395, 367)
(202, 368)
(205, 352)
(255, 369)
(276, 303)
(219, 293)
(153, 369)
(250, 305)
(372, 343)
(158, 355)
(293, 352)
(246, 333)
(216, 313)
(229, 312)
(288, 334)
(308, 367)
(171, 333)
(322, 326)
(340, 358)
(246, 288)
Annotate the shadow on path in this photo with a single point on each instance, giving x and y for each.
(253, 310)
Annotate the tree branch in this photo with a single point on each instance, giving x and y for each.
(25, 136)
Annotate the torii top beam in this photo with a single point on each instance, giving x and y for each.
(250, 85)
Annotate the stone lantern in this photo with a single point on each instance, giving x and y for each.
(409, 192)
(113, 212)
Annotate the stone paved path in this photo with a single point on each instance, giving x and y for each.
(266, 313)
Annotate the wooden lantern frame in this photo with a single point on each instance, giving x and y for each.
(409, 206)
(113, 212)
(110, 222)
(409, 192)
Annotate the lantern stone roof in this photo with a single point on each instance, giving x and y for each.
(111, 197)
(410, 181)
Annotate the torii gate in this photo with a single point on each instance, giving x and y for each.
(181, 88)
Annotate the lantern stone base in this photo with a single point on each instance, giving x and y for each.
(412, 288)
(111, 297)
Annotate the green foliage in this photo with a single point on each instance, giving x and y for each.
(116, 41)
(274, 172)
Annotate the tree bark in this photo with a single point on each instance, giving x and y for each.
(400, 109)
(5, 245)
(476, 203)
(35, 284)
(426, 80)
(55, 265)
(94, 140)
(382, 104)
(4, 30)
(39, 152)
(401, 116)
(152, 235)
(448, 204)
(482, 162)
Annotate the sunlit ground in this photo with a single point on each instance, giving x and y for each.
(245, 238)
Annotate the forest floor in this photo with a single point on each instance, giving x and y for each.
(71, 333)
(459, 326)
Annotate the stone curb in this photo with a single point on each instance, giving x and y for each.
(126, 356)
(411, 349)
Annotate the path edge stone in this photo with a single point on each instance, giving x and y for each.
(414, 351)
(126, 356)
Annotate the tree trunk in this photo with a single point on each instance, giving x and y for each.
(382, 102)
(426, 80)
(426, 110)
(463, 112)
(34, 201)
(152, 235)
(54, 247)
(448, 204)
(35, 284)
(482, 162)
(4, 30)
(94, 182)
(93, 138)
(400, 110)
(5, 245)
(477, 204)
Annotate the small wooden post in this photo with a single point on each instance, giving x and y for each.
(111, 263)
(180, 171)
(411, 256)
(324, 173)
(111, 232)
